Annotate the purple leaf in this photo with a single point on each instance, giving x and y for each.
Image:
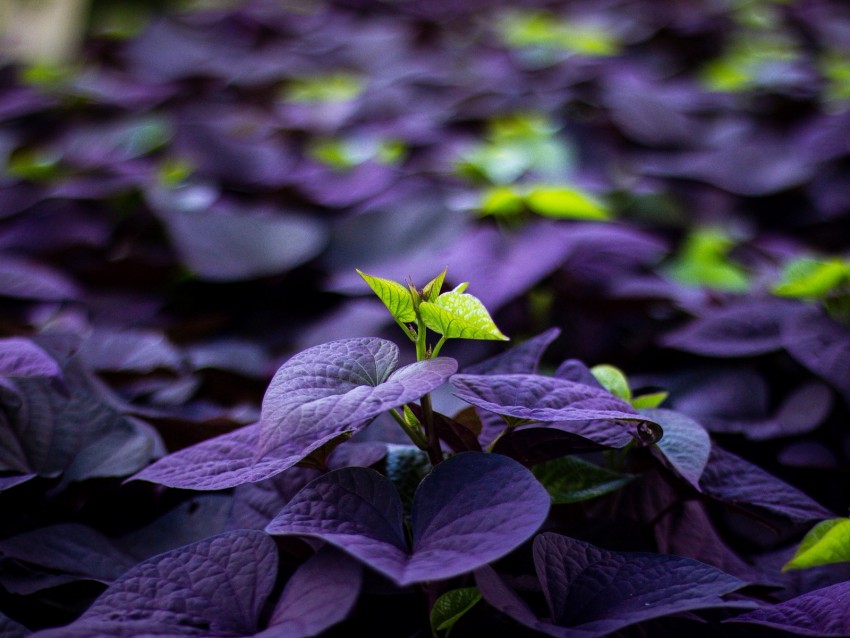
(744, 329)
(521, 358)
(70, 551)
(822, 346)
(317, 596)
(324, 390)
(822, 612)
(731, 479)
(25, 279)
(599, 591)
(224, 461)
(540, 398)
(256, 504)
(575, 370)
(685, 444)
(11, 629)
(20, 357)
(126, 350)
(215, 587)
(533, 445)
(471, 509)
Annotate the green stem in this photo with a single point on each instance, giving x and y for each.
(413, 433)
(439, 345)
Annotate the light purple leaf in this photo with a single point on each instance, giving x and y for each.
(730, 479)
(822, 612)
(20, 357)
(685, 444)
(471, 509)
(317, 596)
(126, 350)
(744, 329)
(521, 358)
(599, 591)
(215, 587)
(325, 389)
(822, 346)
(540, 398)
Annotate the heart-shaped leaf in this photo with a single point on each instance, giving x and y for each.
(458, 315)
(471, 509)
(599, 591)
(215, 587)
(327, 389)
(397, 298)
(685, 444)
(827, 542)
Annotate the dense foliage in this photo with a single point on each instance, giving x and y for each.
(211, 426)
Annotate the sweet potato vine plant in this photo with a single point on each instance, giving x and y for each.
(561, 503)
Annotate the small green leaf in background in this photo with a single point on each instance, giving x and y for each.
(451, 606)
(565, 202)
(532, 29)
(807, 278)
(703, 261)
(396, 297)
(459, 315)
(333, 87)
(650, 400)
(613, 380)
(826, 543)
(571, 479)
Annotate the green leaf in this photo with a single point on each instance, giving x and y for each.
(703, 260)
(432, 289)
(333, 87)
(571, 479)
(826, 543)
(502, 201)
(545, 30)
(651, 400)
(613, 380)
(451, 606)
(459, 315)
(811, 278)
(397, 298)
(563, 202)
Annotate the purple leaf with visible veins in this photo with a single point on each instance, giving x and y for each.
(319, 594)
(685, 444)
(215, 587)
(822, 612)
(471, 509)
(325, 389)
(540, 398)
(600, 591)
(731, 479)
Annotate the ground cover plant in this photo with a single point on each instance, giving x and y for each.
(428, 319)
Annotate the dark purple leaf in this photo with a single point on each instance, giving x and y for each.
(822, 612)
(599, 591)
(11, 629)
(732, 480)
(222, 242)
(577, 371)
(323, 390)
(541, 398)
(215, 587)
(20, 357)
(256, 504)
(743, 329)
(521, 358)
(532, 445)
(68, 552)
(317, 596)
(685, 444)
(128, 350)
(25, 279)
(822, 346)
(360, 511)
